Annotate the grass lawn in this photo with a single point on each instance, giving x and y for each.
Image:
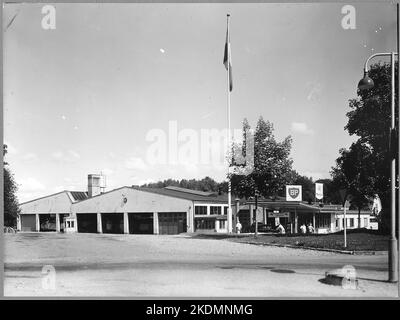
(357, 240)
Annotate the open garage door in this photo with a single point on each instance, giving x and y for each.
(28, 222)
(172, 222)
(112, 222)
(87, 222)
(141, 223)
(47, 222)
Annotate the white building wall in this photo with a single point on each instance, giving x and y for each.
(136, 201)
(57, 203)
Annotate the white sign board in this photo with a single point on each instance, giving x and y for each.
(293, 193)
(319, 191)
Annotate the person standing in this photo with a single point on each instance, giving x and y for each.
(280, 229)
(238, 227)
(310, 228)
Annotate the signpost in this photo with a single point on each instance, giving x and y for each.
(343, 195)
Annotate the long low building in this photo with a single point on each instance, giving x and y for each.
(134, 210)
(325, 218)
(171, 210)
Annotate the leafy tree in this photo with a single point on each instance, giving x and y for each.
(370, 120)
(272, 168)
(355, 171)
(11, 206)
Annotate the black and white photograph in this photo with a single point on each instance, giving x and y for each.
(201, 150)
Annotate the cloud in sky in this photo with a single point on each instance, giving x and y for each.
(135, 163)
(302, 128)
(30, 156)
(317, 174)
(30, 184)
(68, 156)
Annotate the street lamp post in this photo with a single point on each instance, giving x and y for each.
(367, 83)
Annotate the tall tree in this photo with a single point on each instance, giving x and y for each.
(355, 171)
(272, 168)
(11, 206)
(370, 120)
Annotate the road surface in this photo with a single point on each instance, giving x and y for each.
(95, 265)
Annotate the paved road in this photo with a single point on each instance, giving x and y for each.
(178, 266)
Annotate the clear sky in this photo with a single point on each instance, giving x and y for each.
(82, 98)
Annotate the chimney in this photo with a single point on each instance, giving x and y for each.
(96, 184)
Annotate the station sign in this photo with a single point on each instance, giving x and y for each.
(293, 193)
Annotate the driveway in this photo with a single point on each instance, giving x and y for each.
(178, 266)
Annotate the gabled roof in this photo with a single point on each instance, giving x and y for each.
(74, 196)
(196, 192)
(186, 194)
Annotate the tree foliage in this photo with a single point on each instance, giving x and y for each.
(11, 206)
(365, 167)
(272, 166)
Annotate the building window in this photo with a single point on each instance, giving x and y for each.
(222, 224)
(208, 224)
(351, 222)
(225, 210)
(365, 222)
(322, 220)
(337, 223)
(215, 210)
(200, 210)
(72, 224)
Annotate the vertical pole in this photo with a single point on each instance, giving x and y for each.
(155, 223)
(37, 219)
(344, 224)
(393, 263)
(255, 216)
(58, 229)
(398, 134)
(229, 216)
(313, 222)
(126, 223)
(99, 223)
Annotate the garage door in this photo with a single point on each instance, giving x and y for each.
(141, 223)
(47, 222)
(87, 222)
(171, 222)
(28, 222)
(112, 222)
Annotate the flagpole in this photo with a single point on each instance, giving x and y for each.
(229, 213)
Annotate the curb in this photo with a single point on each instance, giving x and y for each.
(318, 249)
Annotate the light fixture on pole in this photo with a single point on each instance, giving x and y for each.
(367, 83)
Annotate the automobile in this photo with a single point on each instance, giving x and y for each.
(261, 227)
(373, 223)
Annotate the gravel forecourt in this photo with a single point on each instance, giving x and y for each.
(94, 265)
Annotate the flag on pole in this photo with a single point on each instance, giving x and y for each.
(227, 56)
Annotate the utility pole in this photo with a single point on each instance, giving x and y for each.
(255, 215)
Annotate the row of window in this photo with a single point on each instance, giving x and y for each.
(350, 222)
(208, 224)
(202, 210)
